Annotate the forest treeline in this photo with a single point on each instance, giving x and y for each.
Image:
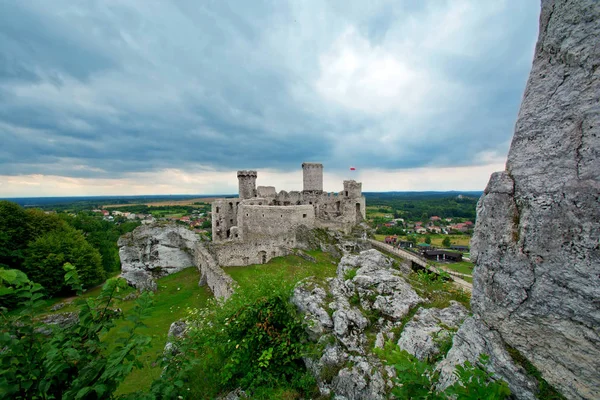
(40, 243)
(422, 206)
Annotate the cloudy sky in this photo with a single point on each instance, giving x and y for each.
(164, 97)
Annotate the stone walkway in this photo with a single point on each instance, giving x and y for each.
(456, 276)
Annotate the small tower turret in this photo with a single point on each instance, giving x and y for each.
(352, 189)
(312, 174)
(247, 184)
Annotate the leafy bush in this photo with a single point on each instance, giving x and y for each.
(40, 361)
(254, 340)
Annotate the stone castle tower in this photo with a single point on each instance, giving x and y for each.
(247, 184)
(312, 177)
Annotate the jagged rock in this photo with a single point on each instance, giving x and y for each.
(61, 319)
(310, 300)
(235, 395)
(536, 241)
(346, 368)
(176, 330)
(361, 381)
(140, 279)
(57, 306)
(378, 284)
(473, 339)
(154, 251)
(422, 334)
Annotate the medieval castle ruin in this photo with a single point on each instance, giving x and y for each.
(262, 224)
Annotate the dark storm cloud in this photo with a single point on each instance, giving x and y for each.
(99, 89)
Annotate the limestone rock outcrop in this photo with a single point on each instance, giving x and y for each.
(367, 293)
(536, 242)
(430, 327)
(154, 251)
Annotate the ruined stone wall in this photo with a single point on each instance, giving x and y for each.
(224, 217)
(536, 242)
(232, 254)
(219, 282)
(273, 223)
(312, 177)
(266, 191)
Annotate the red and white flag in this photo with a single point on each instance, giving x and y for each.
(352, 169)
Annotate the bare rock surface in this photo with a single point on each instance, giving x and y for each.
(473, 339)
(536, 242)
(154, 251)
(423, 334)
(176, 331)
(367, 293)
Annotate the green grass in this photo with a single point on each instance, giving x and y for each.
(289, 268)
(464, 267)
(176, 293)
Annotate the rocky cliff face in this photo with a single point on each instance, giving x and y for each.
(536, 242)
(153, 251)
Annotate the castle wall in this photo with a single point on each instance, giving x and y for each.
(273, 223)
(231, 254)
(266, 191)
(224, 217)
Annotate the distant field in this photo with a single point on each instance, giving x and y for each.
(188, 202)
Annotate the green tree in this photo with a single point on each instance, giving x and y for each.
(446, 242)
(428, 239)
(47, 254)
(14, 234)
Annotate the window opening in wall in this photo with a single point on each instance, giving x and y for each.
(236, 235)
(303, 215)
(247, 215)
(217, 211)
(217, 224)
(346, 193)
(228, 233)
(231, 221)
(281, 215)
(231, 206)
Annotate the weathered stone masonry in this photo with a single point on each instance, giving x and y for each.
(261, 223)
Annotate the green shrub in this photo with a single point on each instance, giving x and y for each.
(255, 340)
(70, 362)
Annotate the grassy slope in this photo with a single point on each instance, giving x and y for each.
(175, 294)
(290, 268)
